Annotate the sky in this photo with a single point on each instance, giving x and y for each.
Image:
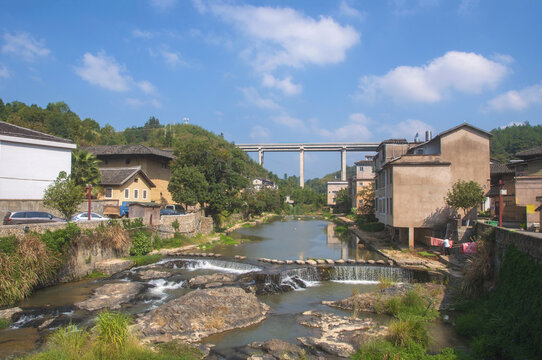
(280, 71)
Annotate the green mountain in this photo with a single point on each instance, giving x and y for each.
(510, 140)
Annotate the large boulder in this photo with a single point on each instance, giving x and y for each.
(111, 296)
(113, 266)
(199, 314)
(202, 280)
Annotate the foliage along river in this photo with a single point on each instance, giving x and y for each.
(285, 238)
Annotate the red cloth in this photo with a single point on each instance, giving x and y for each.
(468, 248)
(438, 242)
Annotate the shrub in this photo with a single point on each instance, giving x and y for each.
(175, 225)
(4, 323)
(8, 244)
(69, 340)
(141, 243)
(112, 328)
(59, 240)
(136, 223)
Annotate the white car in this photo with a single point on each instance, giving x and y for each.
(84, 217)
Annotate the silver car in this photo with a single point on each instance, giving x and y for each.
(84, 217)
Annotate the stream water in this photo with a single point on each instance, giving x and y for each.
(50, 308)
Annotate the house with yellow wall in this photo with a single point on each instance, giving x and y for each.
(125, 184)
(153, 162)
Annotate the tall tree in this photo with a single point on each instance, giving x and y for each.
(64, 195)
(85, 168)
(188, 186)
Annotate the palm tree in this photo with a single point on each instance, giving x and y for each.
(85, 169)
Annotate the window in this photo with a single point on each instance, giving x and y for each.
(136, 180)
(126, 193)
(136, 193)
(108, 193)
(144, 194)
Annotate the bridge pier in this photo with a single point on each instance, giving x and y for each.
(343, 164)
(260, 156)
(301, 168)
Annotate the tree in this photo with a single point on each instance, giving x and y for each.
(465, 195)
(64, 195)
(188, 186)
(367, 196)
(343, 201)
(85, 169)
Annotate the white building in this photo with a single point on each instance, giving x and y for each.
(30, 161)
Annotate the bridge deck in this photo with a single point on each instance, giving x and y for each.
(309, 147)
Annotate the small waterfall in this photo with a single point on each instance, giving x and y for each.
(219, 265)
(371, 274)
(298, 279)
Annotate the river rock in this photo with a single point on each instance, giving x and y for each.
(204, 280)
(300, 262)
(340, 261)
(380, 262)
(280, 262)
(111, 296)
(289, 262)
(113, 266)
(351, 261)
(370, 262)
(311, 262)
(340, 336)
(361, 261)
(6, 314)
(199, 314)
(330, 261)
(279, 349)
(390, 262)
(153, 274)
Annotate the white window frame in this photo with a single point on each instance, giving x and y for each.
(126, 191)
(105, 194)
(136, 193)
(144, 194)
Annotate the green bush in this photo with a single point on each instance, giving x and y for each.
(175, 225)
(59, 240)
(140, 260)
(4, 323)
(141, 243)
(136, 223)
(112, 328)
(8, 244)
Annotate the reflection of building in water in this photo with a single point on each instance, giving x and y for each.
(331, 237)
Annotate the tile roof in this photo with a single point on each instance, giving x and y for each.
(19, 131)
(119, 176)
(107, 150)
(497, 167)
(537, 151)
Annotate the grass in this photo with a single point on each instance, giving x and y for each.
(4, 323)
(96, 275)
(385, 282)
(140, 260)
(426, 254)
(247, 225)
(109, 339)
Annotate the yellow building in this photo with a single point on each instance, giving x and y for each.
(153, 162)
(126, 184)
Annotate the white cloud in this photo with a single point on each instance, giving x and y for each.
(285, 37)
(460, 71)
(408, 129)
(142, 34)
(253, 97)
(4, 71)
(163, 5)
(356, 129)
(347, 10)
(259, 133)
(285, 85)
(172, 58)
(290, 122)
(104, 71)
(24, 46)
(517, 99)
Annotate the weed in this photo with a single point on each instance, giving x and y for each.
(247, 225)
(141, 243)
(8, 244)
(140, 260)
(112, 328)
(385, 282)
(426, 254)
(96, 275)
(175, 225)
(4, 323)
(228, 240)
(69, 340)
(88, 260)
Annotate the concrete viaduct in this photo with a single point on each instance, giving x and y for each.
(302, 147)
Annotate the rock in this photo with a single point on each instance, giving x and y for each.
(351, 261)
(6, 314)
(390, 262)
(370, 262)
(261, 259)
(300, 262)
(311, 262)
(289, 262)
(320, 262)
(380, 262)
(242, 257)
(279, 349)
(113, 266)
(46, 323)
(330, 262)
(280, 262)
(111, 296)
(153, 274)
(211, 254)
(204, 280)
(340, 336)
(274, 261)
(340, 261)
(213, 285)
(218, 255)
(199, 314)
(360, 261)
(236, 256)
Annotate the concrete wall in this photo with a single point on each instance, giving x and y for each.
(527, 190)
(37, 205)
(26, 170)
(333, 187)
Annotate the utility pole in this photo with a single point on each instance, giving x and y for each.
(501, 207)
(89, 201)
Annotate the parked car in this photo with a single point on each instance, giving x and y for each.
(30, 217)
(176, 207)
(84, 217)
(169, 212)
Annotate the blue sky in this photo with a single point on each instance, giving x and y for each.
(280, 71)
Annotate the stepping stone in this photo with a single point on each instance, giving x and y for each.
(320, 262)
(351, 261)
(300, 262)
(242, 257)
(261, 259)
(371, 262)
(309, 262)
(381, 262)
(289, 262)
(275, 261)
(330, 261)
(237, 257)
(280, 262)
(218, 255)
(340, 261)
(211, 254)
(390, 262)
(360, 261)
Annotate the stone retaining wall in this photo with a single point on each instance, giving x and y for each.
(37, 205)
(529, 243)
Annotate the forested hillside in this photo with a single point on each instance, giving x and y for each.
(57, 119)
(508, 141)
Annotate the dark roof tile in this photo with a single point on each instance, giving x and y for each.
(108, 150)
(19, 131)
(119, 176)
